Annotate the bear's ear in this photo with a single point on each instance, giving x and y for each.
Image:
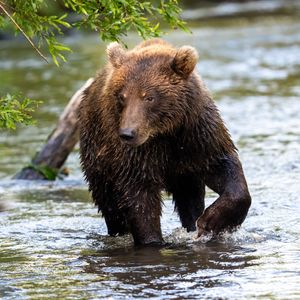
(116, 54)
(185, 61)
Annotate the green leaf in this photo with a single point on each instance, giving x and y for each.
(15, 110)
(112, 19)
(46, 171)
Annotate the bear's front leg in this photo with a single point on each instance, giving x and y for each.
(144, 218)
(225, 177)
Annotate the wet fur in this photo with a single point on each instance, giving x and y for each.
(187, 145)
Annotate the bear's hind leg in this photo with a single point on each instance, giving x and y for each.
(115, 221)
(115, 218)
(188, 196)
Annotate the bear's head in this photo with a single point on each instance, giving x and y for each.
(151, 87)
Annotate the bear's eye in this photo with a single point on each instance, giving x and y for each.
(149, 98)
(121, 98)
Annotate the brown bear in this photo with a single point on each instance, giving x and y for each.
(147, 124)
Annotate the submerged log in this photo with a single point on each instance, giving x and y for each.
(47, 163)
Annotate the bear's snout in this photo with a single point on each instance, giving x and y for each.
(133, 136)
(127, 134)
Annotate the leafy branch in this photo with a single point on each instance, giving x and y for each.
(19, 28)
(112, 19)
(14, 110)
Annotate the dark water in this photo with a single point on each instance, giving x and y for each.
(53, 244)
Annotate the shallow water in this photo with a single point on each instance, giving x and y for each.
(53, 244)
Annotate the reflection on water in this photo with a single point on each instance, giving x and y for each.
(181, 272)
(53, 244)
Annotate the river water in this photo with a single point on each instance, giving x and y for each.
(53, 244)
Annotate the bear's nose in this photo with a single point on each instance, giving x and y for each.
(127, 134)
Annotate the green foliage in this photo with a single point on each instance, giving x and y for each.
(14, 110)
(46, 171)
(112, 19)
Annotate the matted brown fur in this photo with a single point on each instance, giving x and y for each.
(148, 124)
